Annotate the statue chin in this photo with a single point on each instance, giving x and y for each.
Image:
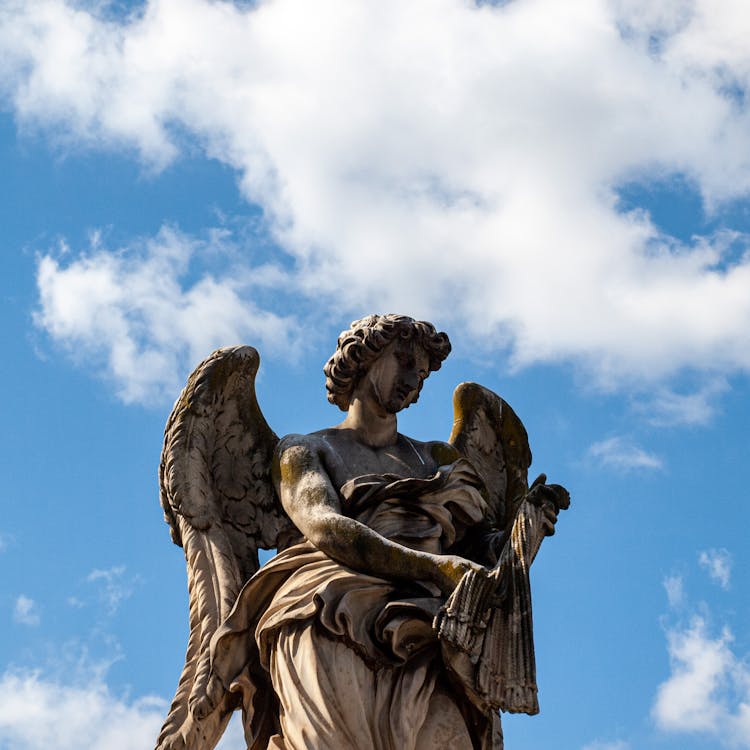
(395, 405)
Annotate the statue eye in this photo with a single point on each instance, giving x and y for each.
(405, 359)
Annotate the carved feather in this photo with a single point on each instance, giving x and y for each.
(219, 501)
(490, 434)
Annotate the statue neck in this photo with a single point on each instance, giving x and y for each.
(371, 424)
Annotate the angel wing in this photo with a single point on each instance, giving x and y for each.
(498, 641)
(220, 504)
(490, 434)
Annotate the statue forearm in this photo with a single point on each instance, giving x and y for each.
(357, 546)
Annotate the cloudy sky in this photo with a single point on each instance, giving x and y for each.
(563, 187)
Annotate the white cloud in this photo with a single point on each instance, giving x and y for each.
(37, 713)
(696, 36)
(718, 564)
(137, 314)
(68, 703)
(675, 588)
(708, 690)
(26, 611)
(435, 157)
(688, 700)
(622, 454)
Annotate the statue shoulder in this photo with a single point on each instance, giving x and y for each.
(317, 452)
(296, 448)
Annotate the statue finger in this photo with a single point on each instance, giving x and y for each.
(540, 480)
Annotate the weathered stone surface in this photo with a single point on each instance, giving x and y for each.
(397, 612)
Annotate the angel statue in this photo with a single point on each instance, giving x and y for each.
(396, 614)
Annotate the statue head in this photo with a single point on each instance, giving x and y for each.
(360, 346)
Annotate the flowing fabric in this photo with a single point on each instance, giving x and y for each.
(492, 648)
(353, 658)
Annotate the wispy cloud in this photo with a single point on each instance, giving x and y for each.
(114, 587)
(26, 611)
(675, 588)
(718, 564)
(667, 407)
(432, 140)
(604, 745)
(622, 454)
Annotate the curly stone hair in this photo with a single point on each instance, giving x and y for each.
(362, 343)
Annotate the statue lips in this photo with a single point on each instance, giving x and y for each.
(402, 396)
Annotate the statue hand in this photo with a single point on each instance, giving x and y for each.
(450, 569)
(551, 498)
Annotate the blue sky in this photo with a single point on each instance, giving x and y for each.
(563, 188)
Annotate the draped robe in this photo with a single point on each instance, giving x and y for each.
(353, 658)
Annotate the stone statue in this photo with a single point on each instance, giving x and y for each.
(397, 612)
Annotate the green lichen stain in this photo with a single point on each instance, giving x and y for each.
(444, 454)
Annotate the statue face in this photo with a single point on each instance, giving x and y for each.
(395, 378)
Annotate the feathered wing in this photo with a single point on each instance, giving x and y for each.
(218, 498)
(495, 645)
(490, 434)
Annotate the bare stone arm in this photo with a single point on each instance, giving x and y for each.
(312, 503)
